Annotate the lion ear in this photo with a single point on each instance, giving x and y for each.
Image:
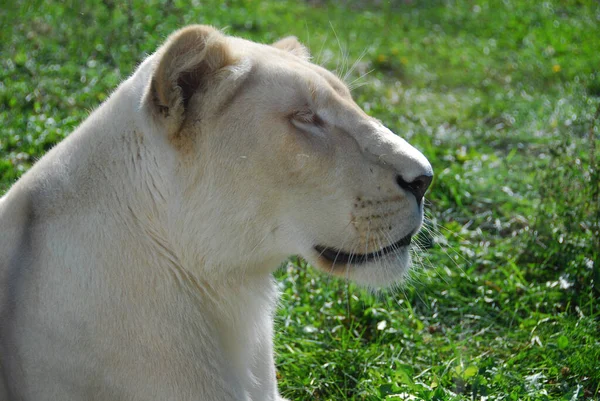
(293, 45)
(185, 62)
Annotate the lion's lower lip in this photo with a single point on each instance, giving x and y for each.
(337, 256)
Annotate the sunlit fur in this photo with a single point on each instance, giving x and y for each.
(136, 256)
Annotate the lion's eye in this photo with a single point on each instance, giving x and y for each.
(305, 116)
(307, 120)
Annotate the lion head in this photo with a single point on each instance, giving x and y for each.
(272, 157)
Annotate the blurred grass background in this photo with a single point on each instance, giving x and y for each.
(502, 96)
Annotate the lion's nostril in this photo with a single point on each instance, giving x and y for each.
(417, 187)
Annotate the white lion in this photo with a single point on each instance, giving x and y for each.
(136, 257)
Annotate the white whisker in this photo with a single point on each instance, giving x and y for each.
(343, 54)
(355, 64)
(352, 85)
(319, 59)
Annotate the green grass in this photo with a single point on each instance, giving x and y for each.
(502, 96)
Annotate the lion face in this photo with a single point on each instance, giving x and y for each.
(285, 162)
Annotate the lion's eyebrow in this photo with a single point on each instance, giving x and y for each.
(335, 83)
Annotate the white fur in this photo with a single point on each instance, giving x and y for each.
(134, 268)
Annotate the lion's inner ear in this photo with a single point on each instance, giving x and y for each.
(292, 45)
(185, 61)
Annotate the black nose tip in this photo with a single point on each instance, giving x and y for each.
(417, 187)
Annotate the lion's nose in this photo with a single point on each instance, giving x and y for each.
(417, 187)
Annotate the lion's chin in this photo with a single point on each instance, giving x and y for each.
(338, 257)
(385, 270)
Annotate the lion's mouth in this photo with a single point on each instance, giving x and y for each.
(337, 256)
